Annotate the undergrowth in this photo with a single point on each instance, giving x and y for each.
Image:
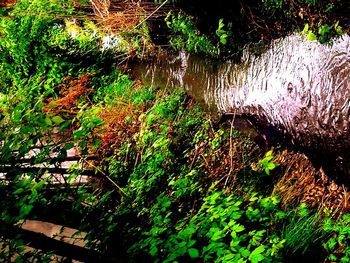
(168, 184)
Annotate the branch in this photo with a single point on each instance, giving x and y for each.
(9, 169)
(47, 244)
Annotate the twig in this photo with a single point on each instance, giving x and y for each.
(231, 153)
(159, 7)
(120, 190)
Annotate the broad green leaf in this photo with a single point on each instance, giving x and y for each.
(18, 191)
(68, 146)
(223, 39)
(271, 166)
(48, 121)
(57, 120)
(153, 251)
(228, 258)
(256, 256)
(193, 252)
(25, 210)
(244, 252)
(238, 228)
(26, 130)
(311, 36)
(324, 29)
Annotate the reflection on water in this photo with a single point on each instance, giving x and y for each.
(299, 88)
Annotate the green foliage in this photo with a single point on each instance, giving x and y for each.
(309, 2)
(267, 164)
(15, 251)
(84, 135)
(155, 191)
(36, 56)
(337, 244)
(303, 231)
(222, 33)
(162, 187)
(280, 5)
(112, 88)
(25, 41)
(220, 231)
(188, 37)
(324, 33)
(25, 194)
(271, 5)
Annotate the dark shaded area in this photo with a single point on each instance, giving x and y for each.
(257, 22)
(333, 160)
(42, 242)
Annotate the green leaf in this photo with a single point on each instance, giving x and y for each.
(311, 36)
(217, 235)
(324, 29)
(238, 228)
(338, 28)
(256, 256)
(78, 134)
(68, 146)
(244, 252)
(333, 258)
(25, 210)
(18, 191)
(228, 258)
(331, 243)
(271, 166)
(48, 121)
(305, 30)
(153, 251)
(223, 39)
(57, 120)
(26, 130)
(193, 252)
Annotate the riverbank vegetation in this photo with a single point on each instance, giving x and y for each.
(163, 181)
(257, 23)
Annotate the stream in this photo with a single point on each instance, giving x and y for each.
(297, 90)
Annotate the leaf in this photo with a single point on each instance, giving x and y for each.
(271, 166)
(153, 251)
(311, 36)
(193, 252)
(57, 120)
(26, 130)
(324, 29)
(191, 243)
(269, 153)
(331, 243)
(305, 30)
(68, 146)
(223, 39)
(228, 258)
(18, 191)
(256, 256)
(238, 228)
(333, 258)
(338, 28)
(78, 134)
(48, 121)
(244, 252)
(25, 210)
(234, 244)
(217, 235)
